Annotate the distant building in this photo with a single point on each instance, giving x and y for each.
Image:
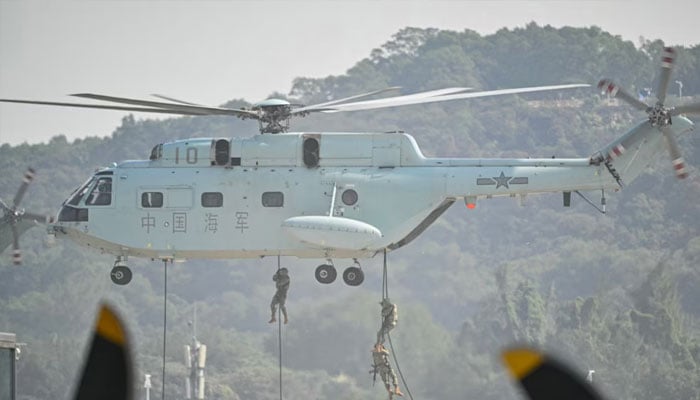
(8, 354)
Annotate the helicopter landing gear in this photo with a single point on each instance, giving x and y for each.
(121, 274)
(353, 276)
(326, 273)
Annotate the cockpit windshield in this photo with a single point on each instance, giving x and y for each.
(79, 193)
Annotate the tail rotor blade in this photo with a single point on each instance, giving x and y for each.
(667, 61)
(676, 157)
(693, 108)
(4, 207)
(28, 178)
(614, 90)
(16, 252)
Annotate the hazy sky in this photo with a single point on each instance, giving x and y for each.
(211, 52)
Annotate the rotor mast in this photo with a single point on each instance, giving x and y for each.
(274, 115)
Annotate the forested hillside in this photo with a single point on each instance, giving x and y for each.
(618, 293)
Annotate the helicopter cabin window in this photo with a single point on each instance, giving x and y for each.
(212, 199)
(101, 194)
(151, 199)
(221, 152)
(273, 199)
(311, 152)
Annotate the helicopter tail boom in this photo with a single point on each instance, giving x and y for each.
(618, 163)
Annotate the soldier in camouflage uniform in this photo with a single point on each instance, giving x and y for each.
(380, 358)
(390, 317)
(281, 278)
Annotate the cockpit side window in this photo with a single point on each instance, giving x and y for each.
(101, 194)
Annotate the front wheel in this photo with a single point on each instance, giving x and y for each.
(121, 275)
(353, 276)
(326, 273)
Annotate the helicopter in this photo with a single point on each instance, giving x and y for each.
(340, 195)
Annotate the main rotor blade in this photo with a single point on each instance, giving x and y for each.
(369, 105)
(324, 107)
(28, 178)
(614, 90)
(201, 110)
(103, 107)
(676, 157)
(160, 96)
(355, 97)
(693, 108)
(667, 60)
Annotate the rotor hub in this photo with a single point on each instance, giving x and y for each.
(659, 116)
(273, 115)
(9, 216)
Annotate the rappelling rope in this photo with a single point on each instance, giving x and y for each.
(385, 295)
(279, 332)
(165, 320)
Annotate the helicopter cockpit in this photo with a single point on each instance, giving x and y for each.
(96, 191)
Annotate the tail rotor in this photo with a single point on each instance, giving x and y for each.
(18, 220)
(659, 115)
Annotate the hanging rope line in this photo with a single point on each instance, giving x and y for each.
(385, 295)
(165, 320)
(398, 367)
(279, 332)
(385, 281)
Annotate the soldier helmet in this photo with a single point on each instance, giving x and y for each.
(283, 270)
(385, 301)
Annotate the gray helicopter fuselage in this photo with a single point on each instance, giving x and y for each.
(310, 195)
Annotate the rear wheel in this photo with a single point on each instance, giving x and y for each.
(121, 275)
(326, 273)
(353, 276)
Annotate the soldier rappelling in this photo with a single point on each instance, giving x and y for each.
(390, 317)
(381, 366)
(281, 278)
